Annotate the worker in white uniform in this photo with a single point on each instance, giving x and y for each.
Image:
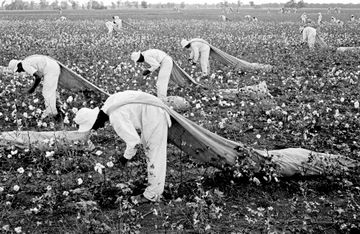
(156, 59)
(126, 117)
(309, 36)
(198, 49)
(303, 17)
(319, 20)
(41, 67)
(115, 24)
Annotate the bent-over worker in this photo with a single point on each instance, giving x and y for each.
(126, 117)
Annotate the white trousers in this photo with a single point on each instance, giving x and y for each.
(164, 77)
(204, 61)
(311, 40)
(49, 90)
(110, 26)
(154, 140)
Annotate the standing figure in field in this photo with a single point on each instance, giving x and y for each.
(254, 19)
(319, 20)
(41, 67)
(198, 49)
(128, 112)
(303, 18)
(310, 36)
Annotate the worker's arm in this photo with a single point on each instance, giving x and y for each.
(37, 80)
(152, 62)
(304, 36)
(127, 132)
(196, 53)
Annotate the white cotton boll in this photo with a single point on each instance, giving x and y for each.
(66, 120)
(79, 181)
(49, 154)
(20, 170)
(74, 110)
(16, 188)
(356, 105)
(18, 229)
(70, 99)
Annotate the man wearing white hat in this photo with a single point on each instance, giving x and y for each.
(41, 66)
(156, 59)
(198, 49)
(310, 36)
(127, 112)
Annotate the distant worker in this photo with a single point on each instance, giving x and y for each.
(319, 18)
(224, 18)
(198, 49)
(310, 36)
(352, 18)
(201, 48)
(117, 25)
(303, 18)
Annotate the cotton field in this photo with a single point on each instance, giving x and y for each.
(312, 101)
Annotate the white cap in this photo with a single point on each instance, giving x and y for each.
(135, 56)
(184, 43)
(116, 17)
(13, 65)
(86, 118)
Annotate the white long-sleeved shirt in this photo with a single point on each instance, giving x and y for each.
(35, 63)
(196, 48)
(154, 57)
(129, 118)
(308, 32)
(118, 23)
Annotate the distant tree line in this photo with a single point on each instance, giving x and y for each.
(117, 4)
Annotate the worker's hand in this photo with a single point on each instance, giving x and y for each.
(191, 61)
(146, 72)
(123, 161)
